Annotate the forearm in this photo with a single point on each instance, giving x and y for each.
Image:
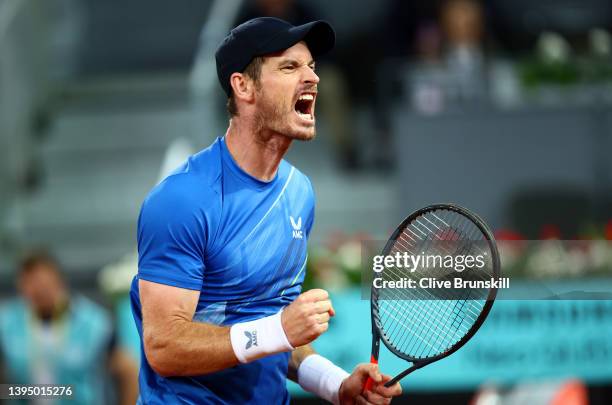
(184, 348)
(297, 356)
(174, 345)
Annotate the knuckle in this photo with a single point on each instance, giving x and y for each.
(322, 294)
(308, 294)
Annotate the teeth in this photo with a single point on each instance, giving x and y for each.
(305, 116)
(306, 97)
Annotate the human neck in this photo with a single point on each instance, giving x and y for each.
(256, 151)
(57, 312)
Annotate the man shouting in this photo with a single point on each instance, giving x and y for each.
(222, 244)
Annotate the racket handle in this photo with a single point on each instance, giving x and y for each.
(369, 382)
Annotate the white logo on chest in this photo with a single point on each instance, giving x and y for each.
(297, 227)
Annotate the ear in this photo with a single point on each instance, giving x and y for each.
(243, 87)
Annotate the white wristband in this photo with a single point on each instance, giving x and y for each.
(262, 337)
(318, 375)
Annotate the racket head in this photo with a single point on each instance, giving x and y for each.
(380, 327)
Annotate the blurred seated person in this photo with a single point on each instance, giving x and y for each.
(450, 65)
(50, 336)
(333, 92)
(463, 25)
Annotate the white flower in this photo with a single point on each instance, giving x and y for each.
(553, 48)
(600, 42)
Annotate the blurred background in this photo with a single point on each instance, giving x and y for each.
(503, 106)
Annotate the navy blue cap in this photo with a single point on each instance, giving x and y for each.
(264, 35)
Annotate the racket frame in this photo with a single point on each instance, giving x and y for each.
(376, 327)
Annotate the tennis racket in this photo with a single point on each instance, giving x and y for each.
(425, 324)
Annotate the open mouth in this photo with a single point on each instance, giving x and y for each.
(304, 106)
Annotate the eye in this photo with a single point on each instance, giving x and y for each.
(288, 68)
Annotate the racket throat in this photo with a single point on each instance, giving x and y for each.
(406, 372)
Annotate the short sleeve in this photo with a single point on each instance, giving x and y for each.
(172, 237)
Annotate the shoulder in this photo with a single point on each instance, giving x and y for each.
(296, 175)
(300, 181)
(192, 188)
(12, 308)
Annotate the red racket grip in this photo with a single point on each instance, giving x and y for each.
(369, 382)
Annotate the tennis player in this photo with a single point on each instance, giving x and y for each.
(222, 244)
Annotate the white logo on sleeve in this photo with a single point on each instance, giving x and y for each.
(297, 227)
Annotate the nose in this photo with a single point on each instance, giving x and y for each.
(310, 76)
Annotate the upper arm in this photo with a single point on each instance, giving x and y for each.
(162, 305)
(173, 234)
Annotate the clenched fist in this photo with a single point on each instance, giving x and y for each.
(306, 318)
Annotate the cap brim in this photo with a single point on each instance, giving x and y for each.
(318, 35)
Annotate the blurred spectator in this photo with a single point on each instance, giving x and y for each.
(50, 336)
(451, 68)
(463, 25)
(334, 99)
(434, 58)
(421, 31)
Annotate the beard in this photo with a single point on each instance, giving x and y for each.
(277, 115)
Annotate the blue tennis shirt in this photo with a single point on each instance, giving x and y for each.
(241, 242)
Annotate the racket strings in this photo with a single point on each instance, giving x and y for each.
(452, 232)
(434, 311)
(439, 335)
(419, 293)
(416, 318)
(433, 315)
(415, 321)
(425, 323)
